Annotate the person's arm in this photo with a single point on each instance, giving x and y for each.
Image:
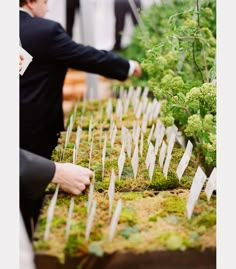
(37, 172)
(65, 51)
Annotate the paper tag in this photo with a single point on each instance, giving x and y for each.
(134, 161)
(104, 154)
(74, 155)
(136, 135)
(166, 165)
(144, 124)
(69, 217)
(113, 136)
(77, 140)
(156, 108)
(148, 156)
(50, 213)
(171, 130)
(141, 145)
(90, 197)
(111, 190)
(184, 160)
(115, 219)
(90, 220)
(150, 134)
(152, 164)
(121, 161)
(90, 129)
(211, 184)
(198, 182)
(90, 153)
(162, 153)
(109, 108)
(27, 60)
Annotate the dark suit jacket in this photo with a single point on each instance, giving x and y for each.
(36, 173)
(53, 51)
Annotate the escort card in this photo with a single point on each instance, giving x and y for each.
(84, 106)
(104, 154)
(152, 164)
(109, 108)
(100, 134)
(129, 144)
(113, 136)
(115, 219)
(144, 124)
(156, 108)
(90, 129)
(111, 190)
(74, 155)
(90, 152)
(184, 160)
(139, 111)
(145, 93)
(198, 182)
(90, 220)
(169, 130)
(141, 145)
(149, 154)
(150, 134)
(166, 165)
(162, 153)
(211, 184)
(50, 213)
(136, 134)
(121, 161)
(90, 197)
(134, 161)
(69, 217)
(27, 60)
(77, 140)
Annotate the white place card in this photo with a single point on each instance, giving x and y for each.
(74, 155)
(109, 108)
(152, 164)
(156, 108)
(119, 108)
(113, 137)
(136, 135)
(69, 217)
(90, 129)
(27, 60)
(126, 105)
(162, 153)
(84, 106)
(104, 154)
(144, 124)
(134, 161)
(90, 196)
(50, 213)
(145, 93)
(141, 145)
(150, 134)
(211, 184)
(184, 160)
(100, 134)
(171, 143)
(171, 130)
(144, 104)
(121, 161)
(128, 144)
(138, 112)
(114, 220)
(90, 220)
(111, 190)
(77, 139)
(166, 165)
(195, 190)
(150, 152)
(90, 153)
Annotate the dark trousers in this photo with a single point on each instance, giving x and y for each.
(71, 6)
(122, 7)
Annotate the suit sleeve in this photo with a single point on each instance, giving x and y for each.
(36, 173)
(63, 49)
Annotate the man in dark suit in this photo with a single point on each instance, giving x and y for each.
(53, 51)
(36, 173)
(121, 9)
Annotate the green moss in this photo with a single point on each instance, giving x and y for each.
(128, 215)
(207, 219)
(73, 244)
(131, 195)
(174, 205)
(172, 241)
(41, 245)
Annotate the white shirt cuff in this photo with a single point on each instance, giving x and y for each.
(131, 68)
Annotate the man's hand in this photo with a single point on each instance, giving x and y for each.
(72, 178)
(137, 69)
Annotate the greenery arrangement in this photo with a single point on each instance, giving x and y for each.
(177, 50)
